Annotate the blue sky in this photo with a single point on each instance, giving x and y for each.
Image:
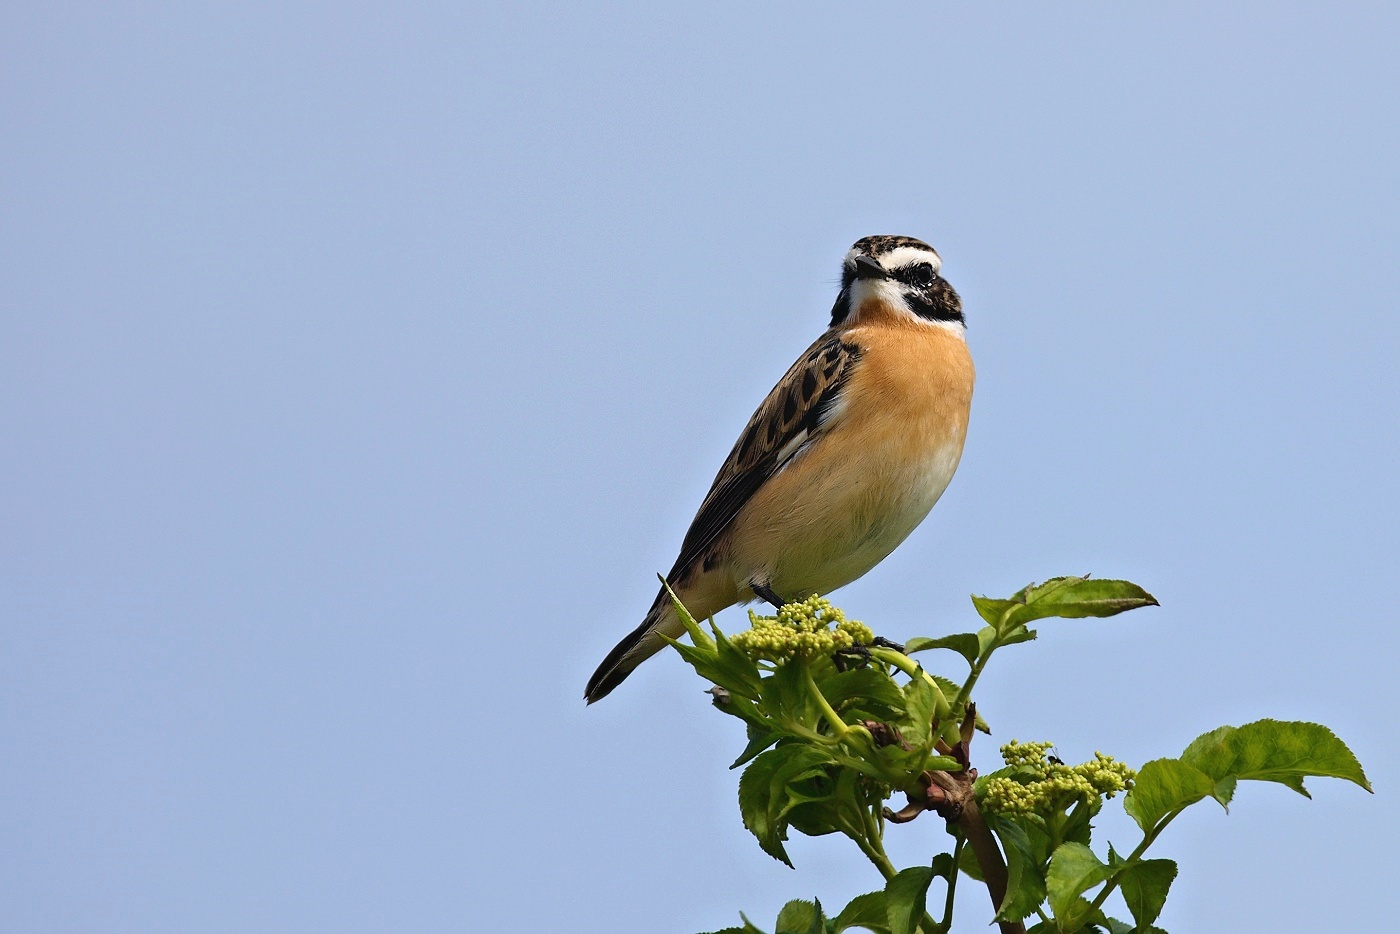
(360, 364)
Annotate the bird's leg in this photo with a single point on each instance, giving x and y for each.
(766, 593)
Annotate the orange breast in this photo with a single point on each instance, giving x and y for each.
(844, 503)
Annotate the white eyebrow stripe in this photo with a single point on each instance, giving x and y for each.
(908, 256)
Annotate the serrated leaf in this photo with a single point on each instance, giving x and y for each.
(702, 660)
(800, 917)
(943, 865)
(748, 928)
(986, 638)
(866, 911)
(1163, 786)
(1074, 916)
(1145, 885)
(967, 863)
(965, 644)
(1077, 827)
(920, 704)
(949, 688)
(1066, 597)
(1018, 635)
(1074, 869)
(1200, 749)
(1025, 886)
(814, 802)
(1106, 925)
(763, 792)
(1284, 751)
(866, 689)
(905, 898)
(759, 740)
(698, 636)
(991, 609)
(740, 673)
(784, 695)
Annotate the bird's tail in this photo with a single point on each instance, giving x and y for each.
(639, 645)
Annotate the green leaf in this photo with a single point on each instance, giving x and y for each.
(920, 704)
(905, 897)
(1074, 869)
(943, 865)
(1025, 886)
(1163, 786)
(697, 635)
(1077, 827)
(1200, 749)
(763, 792)
(965, 644)
(986, 638)
(866, 689)
(784, 695)
(815, 801)
(1114, 926)
(1145, 885)
(759, 740)
(1067, 597)
(748, 928)
(991, 609)
(866, 911)
(967, 862)
(1274, 751)
(1075, 916)
(1018, 635)
(741, 675)
(800, 917)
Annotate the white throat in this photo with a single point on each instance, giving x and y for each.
(867, 293)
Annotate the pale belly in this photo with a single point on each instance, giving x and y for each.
(836, 517)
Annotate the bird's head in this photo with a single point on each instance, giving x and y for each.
(899, 275)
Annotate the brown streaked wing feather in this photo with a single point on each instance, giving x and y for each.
(796, 404)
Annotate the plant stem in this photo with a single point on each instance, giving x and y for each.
(989, 859)
(838, 726)
(869, 842)
(952, 883)
(913, 669)
(874, 849)
(1147, 841)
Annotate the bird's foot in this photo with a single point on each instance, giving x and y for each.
(857, 656)
(884, 643)
(764, 592)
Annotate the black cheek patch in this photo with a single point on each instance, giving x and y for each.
(842, 309)
(939, 303)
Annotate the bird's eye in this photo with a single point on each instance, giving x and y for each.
(920, 275)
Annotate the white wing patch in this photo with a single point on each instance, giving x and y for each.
(789, 450)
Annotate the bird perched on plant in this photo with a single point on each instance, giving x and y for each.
(843, 459)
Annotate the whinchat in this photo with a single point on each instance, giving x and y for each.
(843, 459)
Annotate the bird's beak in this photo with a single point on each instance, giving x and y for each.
(867, 268)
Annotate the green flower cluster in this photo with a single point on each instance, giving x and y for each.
(808, 629)
(1040, 786)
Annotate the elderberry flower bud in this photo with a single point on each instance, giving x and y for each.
(807, 629)
(1040, 785)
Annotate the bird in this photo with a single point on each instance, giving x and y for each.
(842, 460)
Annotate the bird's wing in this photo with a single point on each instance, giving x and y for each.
(797, 410)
